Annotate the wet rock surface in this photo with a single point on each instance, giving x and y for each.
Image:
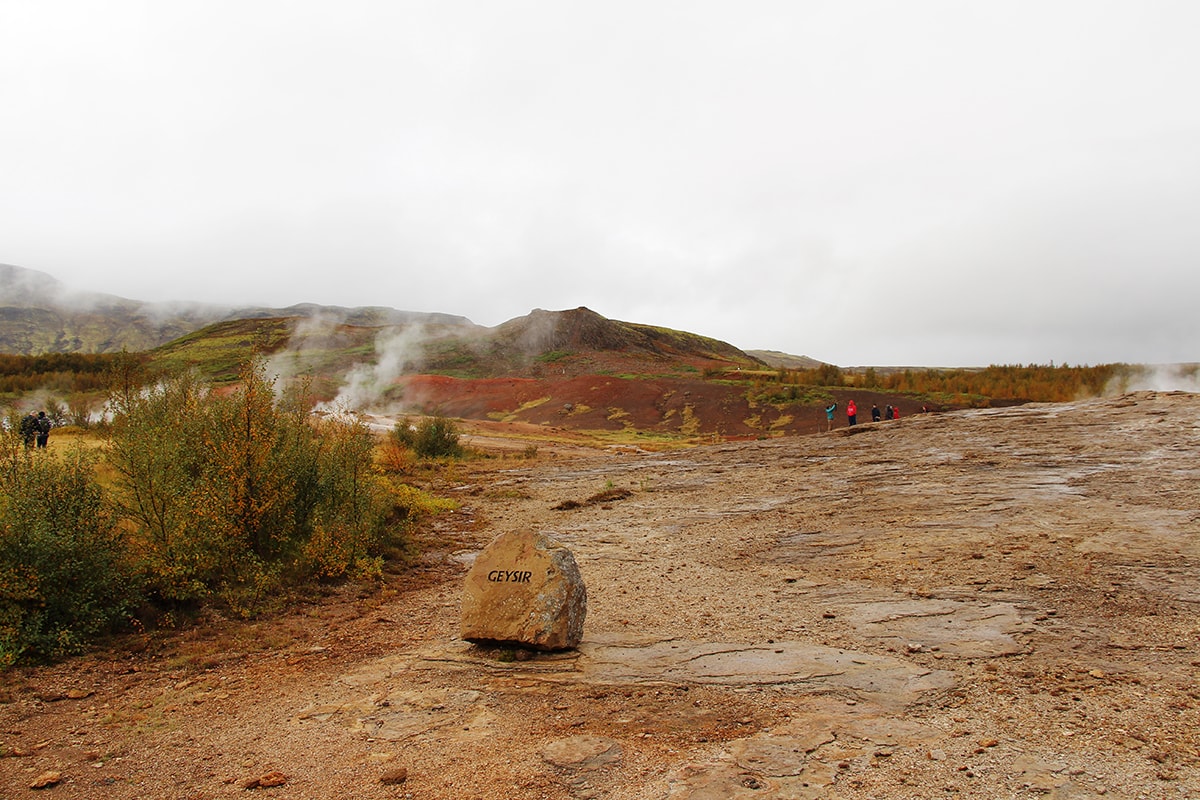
(997, 603)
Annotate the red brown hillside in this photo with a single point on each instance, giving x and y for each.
(579, 370)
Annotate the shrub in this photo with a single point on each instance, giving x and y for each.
(234, 495)
(354, 501)
(64, 573)
(155, 441)
(432, 437)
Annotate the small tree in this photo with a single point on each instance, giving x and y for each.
(432, 437)
(349, 518)
(154, 439)
(829, 375)
(64, 572)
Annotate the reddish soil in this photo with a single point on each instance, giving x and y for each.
(674, 406)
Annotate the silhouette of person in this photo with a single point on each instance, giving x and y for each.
(43, 425)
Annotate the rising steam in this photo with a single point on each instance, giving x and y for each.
(366, 386)
(1160, 378)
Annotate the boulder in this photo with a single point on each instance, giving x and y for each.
(524, 589)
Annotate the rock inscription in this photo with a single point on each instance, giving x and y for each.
(525, 589)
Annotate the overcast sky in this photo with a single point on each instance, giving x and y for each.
(929, 183)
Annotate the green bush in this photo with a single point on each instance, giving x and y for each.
(64, 573)
(432, 437)
(353, 503)
(234, 495)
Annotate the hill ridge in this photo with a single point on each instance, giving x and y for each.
(39, 314)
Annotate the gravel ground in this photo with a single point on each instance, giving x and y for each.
(989, 604)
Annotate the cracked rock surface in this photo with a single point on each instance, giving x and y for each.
(994, 604)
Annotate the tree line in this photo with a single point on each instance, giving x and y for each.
(62, 373)
(1033, 382)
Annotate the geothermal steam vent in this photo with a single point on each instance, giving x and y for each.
(525, 589)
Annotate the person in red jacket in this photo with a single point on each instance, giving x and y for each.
(851, 413)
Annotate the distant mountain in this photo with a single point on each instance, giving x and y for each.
(580, 341)
(584, 329)
(38, 314)
(778, 360)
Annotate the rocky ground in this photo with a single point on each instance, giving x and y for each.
(986, 604)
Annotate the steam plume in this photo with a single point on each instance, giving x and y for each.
(366, 385)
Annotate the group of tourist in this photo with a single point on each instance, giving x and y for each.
(890, 412)
(36, 429)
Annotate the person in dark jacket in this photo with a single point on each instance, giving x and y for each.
(43, 426)
(28, 429)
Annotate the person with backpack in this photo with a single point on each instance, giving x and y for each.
(28, 429)
(42, 425)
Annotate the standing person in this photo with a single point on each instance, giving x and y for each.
(889, 413)
(829, 416)
(851, 413)
(874, 412)
(896, 412)
(28, 429)
(43, 425)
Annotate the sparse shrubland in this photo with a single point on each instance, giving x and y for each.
(232, 498)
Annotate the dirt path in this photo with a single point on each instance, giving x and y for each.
(982, 604)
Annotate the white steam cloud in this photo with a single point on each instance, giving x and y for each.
(1164, 378)
(367, 385)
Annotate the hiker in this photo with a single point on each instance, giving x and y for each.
(896, 412)
(874, 412)
(28, 429)
(851, 413)
(43, 425)
(829, 416)
(889, 413)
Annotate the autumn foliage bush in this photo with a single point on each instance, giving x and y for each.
(65, 571)
(233, 495)
(229, 498)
